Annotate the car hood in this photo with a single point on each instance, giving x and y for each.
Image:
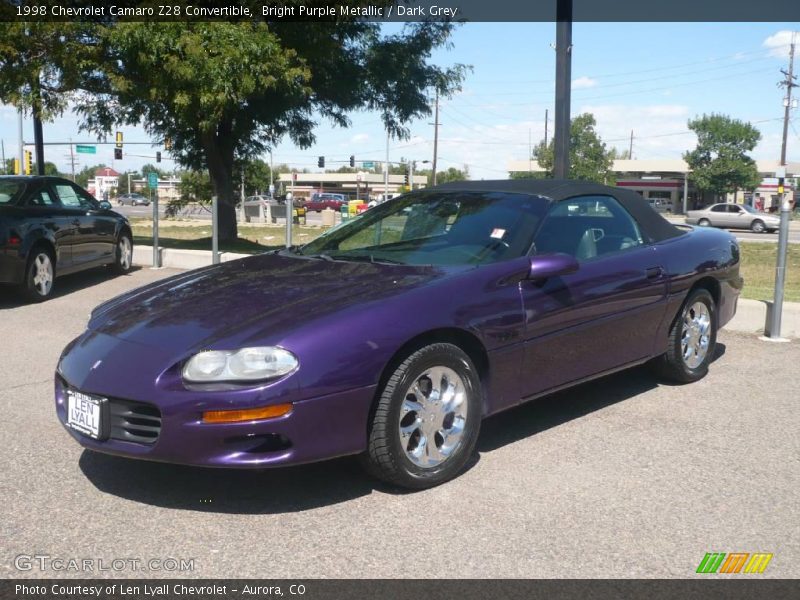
(260, 297)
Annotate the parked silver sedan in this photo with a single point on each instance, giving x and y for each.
(734, 216)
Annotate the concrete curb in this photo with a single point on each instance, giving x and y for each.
(180, 259)
(751, 315)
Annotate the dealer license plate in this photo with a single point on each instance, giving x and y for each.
(84, 413)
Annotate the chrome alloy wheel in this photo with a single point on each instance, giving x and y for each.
(42, 273)
(433, 417)
(696, 334)
(125, 252)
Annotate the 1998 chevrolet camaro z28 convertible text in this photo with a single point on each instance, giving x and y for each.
(392, 336)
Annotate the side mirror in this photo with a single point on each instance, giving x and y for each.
(105, 204)
(545, 266)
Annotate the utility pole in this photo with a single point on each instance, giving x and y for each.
(788, 83)
(72, 166)
(546, 123)
(21, 146)
(563, 87)
(774, 329)
(386, 170)
(435, 135)
(630, 148)
(530, 153)
(3, 147)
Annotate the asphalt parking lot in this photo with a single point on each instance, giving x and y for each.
(624, 477)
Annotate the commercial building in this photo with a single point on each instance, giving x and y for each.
(368, 186)
(665, 180)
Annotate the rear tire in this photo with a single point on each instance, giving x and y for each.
(123, 255)
(692, 340)
(40, 275)
(427, 419)
(704, 223)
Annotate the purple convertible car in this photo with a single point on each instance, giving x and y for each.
(394, 335)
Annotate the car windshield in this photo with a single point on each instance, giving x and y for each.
(437, 228)
(749, 209)
(10, 192)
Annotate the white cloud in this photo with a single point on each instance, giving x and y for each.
(778, 43)
(359, 138)
(583, 82)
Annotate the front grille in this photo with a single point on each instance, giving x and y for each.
(134, 421)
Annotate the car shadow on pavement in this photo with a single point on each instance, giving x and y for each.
(555, 409)
(9, 298)
(292, 489)
(233, 491)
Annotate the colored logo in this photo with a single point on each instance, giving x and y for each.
(734, 562)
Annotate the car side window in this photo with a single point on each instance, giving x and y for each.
(67, 195)
(719, 208)
(734, 209)
(42, 197)
(73, 197)
(586, 227)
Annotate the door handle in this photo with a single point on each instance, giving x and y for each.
(654, 272)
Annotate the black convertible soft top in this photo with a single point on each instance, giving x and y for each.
(652, 224)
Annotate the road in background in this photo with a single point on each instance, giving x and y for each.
(623, 477)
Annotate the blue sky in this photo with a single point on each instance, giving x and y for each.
(647, 77)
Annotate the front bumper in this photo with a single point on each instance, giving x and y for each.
(146, 395)
(315, 429)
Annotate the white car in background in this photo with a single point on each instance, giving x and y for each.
(734, 216)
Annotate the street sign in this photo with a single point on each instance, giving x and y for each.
(368, 165)
(80, 149)
(152, 180)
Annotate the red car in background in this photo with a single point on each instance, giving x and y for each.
(321, 201)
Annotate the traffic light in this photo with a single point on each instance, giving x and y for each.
(167, 143)
(158, 157)
(119, 140)
(117, 153)
(16, 167)
(28, 162)
(321, 162)
(407, 179)
(352, 160)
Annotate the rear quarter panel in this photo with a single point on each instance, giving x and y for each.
(701, 255)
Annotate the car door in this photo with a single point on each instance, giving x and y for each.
(94, 238)
(719, 215)
(55, 221)
(739, 217)
(603, 316)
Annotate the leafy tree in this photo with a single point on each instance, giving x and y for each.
(720, 163)
(49, 168)
(151, 168)
(195, 186)
(452, 174)
(589, 159)
(256, 177)
(225, 92)
(84, 175)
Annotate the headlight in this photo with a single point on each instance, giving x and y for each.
(247, 364)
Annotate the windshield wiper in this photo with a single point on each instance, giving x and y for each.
(366, 258)
(327, 257)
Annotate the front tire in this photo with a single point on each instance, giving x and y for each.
(123, 260)
(427, 419)
(692, 340)
(757, 226)
(39, 275)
